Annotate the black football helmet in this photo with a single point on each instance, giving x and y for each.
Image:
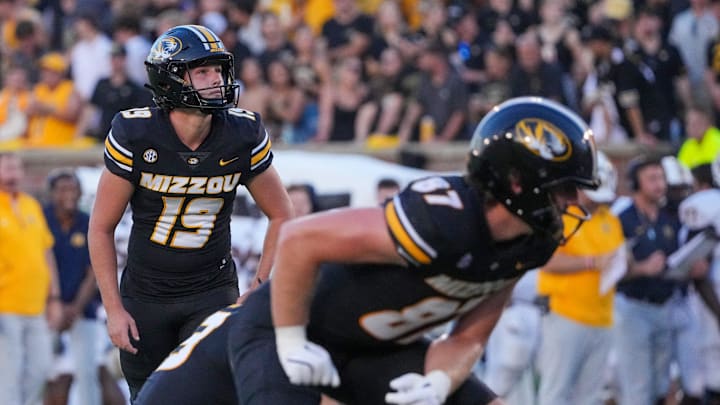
(527, 148)
(175, 52)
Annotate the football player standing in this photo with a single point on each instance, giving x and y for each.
(178, 166)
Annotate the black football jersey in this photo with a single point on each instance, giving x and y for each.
(180, 239)
(438, 224)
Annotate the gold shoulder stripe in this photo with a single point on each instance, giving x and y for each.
(115, 154)
(261, 154)
(402, 236)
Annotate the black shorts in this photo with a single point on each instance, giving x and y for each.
(162, 327)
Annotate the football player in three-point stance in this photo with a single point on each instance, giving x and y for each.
(178, 166)
(354, 290)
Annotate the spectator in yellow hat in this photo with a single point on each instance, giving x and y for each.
(54, 108)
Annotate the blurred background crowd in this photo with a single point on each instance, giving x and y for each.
(385, 74)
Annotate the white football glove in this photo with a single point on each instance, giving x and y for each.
(416, 389)
(304, 362)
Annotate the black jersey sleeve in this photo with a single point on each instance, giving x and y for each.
(261, 155)
(430, 221)
(118, 147)
(628, 80)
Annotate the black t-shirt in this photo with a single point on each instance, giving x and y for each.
(378, 44)
(241, 52)
(633, 85)
(111, 99)
(545, 82)
(284, 53)
(338, 34)
(440, 102)
(664, 66)
(518, 20)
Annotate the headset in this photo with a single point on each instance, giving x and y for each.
(635, 165)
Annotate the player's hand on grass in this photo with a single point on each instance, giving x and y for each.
(416, 389)
(304, 362)
(120, 327)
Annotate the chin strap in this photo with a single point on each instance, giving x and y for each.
(582, 217)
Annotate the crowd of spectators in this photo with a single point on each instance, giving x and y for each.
(342, 70)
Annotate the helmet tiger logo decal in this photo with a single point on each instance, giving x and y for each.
(166, 48)
(544, 139)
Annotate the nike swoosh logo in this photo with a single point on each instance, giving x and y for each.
(227, 162)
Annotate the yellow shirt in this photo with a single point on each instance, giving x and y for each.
(413, 15)
(693, 153)
(368, 6)
(24, 241)
(8, 35)
(315, 12)
(14, 126)
(577, 295)
(48, 130)
(22, 99)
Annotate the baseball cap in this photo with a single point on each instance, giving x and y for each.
(54, 61)
(618, 9)
(118, 50)
(596, 33)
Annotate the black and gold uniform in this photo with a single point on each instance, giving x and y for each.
(183, 198)
(372, 318)
(179, 268)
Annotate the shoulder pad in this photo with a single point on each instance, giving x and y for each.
(428, 219)
(244, 114)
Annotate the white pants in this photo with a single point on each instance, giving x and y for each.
(510, 354)
(571, 361)
(687, 344)
(81, 357)
(709, 343)
(25, 358)
(643, 342)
